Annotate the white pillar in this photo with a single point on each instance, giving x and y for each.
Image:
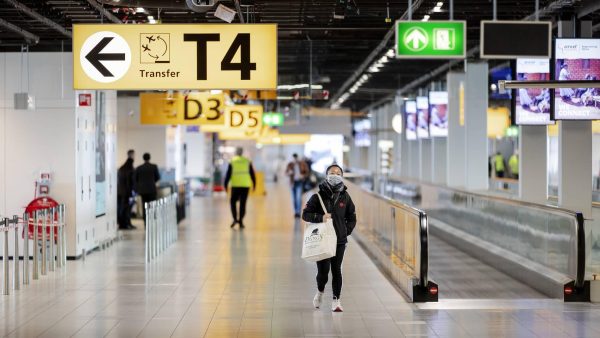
(476, 104)
(533, 163)
(438, 160)
(456, 153)
(575, 151)
(426, 163)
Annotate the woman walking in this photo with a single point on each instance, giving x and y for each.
(340, 209)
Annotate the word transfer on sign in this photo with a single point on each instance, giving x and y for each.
(208, 56)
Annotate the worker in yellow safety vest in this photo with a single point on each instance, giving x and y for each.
(240, 174)
(513, 164)
(499, 165)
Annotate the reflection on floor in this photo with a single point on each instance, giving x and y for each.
(219, 282)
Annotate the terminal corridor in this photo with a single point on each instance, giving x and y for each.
(219, 282)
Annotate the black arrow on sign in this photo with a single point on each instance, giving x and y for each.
(94, 57)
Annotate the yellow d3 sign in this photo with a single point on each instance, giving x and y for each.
(175, 56)
(182, 109)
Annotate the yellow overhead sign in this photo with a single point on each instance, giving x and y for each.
(195, 108)
(175, 56)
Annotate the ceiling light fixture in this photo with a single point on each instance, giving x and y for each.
(426, 17)
(437, 9)
(140, 10)
(440, 4)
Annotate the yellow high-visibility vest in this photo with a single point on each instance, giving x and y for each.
(240, 172)
(513, 162)
(499, 160)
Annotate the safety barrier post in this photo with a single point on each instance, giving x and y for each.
(5, 258)
(36, 251)
(146, 250)
(25, 249)
(44, 253)
(59, 251)
(51, 239)
(154, 230)
(63, 235)
(16, 274)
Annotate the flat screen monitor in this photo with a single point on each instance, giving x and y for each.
(410, 109)
(532, 105)
(577, 59)
(438, 113)
(499, 39)
(422, 117)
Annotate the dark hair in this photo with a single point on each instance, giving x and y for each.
(295, 155)
(146, 157)
(334, 165)
(130, 151)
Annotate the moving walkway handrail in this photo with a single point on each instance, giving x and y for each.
(578, 217)
(423, 230)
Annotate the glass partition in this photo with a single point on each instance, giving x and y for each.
(396, 230)
(542, 234)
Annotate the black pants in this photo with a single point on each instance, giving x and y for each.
(239, 194)
(146, 198)
(335, 263)
(123, 211)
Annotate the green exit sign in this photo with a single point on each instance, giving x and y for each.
(273, 119)
(431, 39)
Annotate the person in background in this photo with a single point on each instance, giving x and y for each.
(124, 192)
(513, 164)
(240, 174)
(297, 171)
(131, 154)
(341, 210)
(146, 177)
(499, 165)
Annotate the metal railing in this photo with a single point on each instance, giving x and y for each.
(397, 235)
(46, 229)
(161, 225)
(545, 240)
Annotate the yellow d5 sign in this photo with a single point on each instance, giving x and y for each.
(181, 56)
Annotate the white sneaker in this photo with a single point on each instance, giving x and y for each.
(318, 299)
(336, 306)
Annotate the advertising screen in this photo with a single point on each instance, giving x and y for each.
(497, 74)
(438, 112)
(361, 133)
(577, 59)
(422, 117)
(410, 108)
(532, 105)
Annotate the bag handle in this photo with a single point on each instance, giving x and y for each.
(322, 204)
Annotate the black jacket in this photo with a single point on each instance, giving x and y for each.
(146, 177)
(341, 209)
(124, 181)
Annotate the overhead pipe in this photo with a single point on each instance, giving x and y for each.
(39, 17)
(239, 10)
(103, 11)
(29, 37)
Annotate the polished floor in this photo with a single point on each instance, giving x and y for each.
(219, 282)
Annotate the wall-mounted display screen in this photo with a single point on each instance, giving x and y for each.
(438, 114)
(422, 117)
(532, 105)
(410, 110)
(362, 138)
(497, 74)
(577, 59)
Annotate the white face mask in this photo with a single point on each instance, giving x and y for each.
(334, 179)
